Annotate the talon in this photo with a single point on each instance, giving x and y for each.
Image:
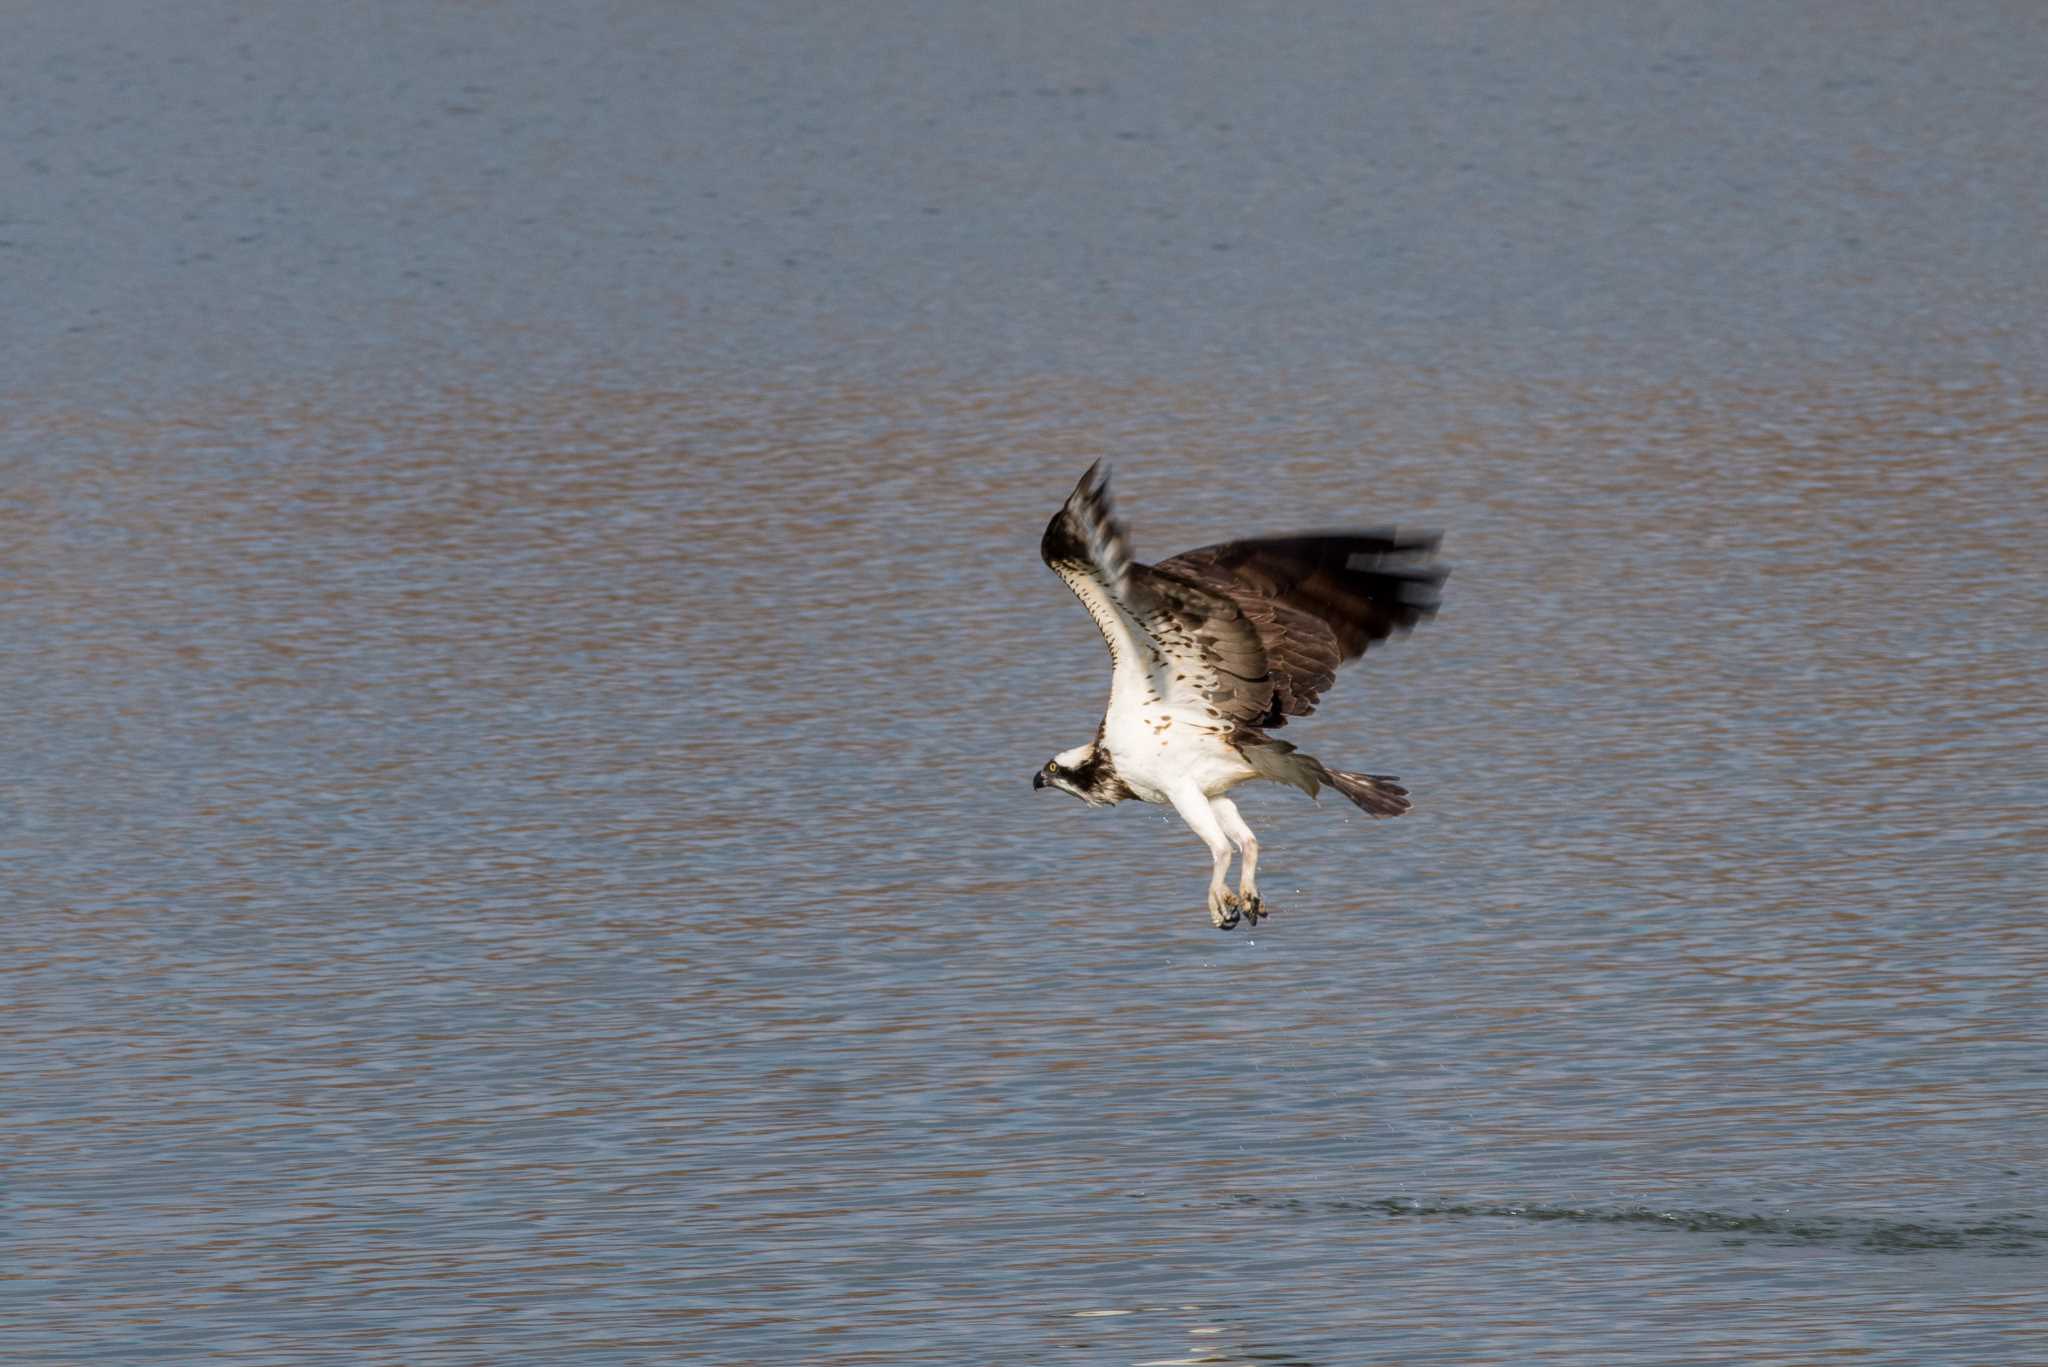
(1223, 911)
(1253, 907)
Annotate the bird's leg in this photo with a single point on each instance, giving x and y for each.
(1248, 846)
(1194, 809)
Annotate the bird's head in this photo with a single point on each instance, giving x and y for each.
(1085, 772)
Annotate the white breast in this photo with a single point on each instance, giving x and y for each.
(1159, 748)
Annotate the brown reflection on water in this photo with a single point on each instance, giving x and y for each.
(1833, 582)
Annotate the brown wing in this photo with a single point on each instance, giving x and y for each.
(1170, 639)
(1318, 600)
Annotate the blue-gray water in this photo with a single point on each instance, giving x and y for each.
(523, 652)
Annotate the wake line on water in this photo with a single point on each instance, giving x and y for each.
(2008, 1236)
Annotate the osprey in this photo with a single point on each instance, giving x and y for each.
(1213, 648)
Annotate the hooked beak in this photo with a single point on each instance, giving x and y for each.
(1038, 780)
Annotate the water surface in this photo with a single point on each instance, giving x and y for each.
(520, 842)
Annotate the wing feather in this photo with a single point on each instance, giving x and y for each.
(1318, 600)
(1172, 639)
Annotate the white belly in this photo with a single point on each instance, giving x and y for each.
(1159, 749)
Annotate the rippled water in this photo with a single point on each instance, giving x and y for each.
(565, 873)
(522, 849)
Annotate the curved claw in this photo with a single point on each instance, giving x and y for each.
(1223, 911)
(1254, 907)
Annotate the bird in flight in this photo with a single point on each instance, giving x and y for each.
(1214, 648)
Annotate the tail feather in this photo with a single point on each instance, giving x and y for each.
(1375, 794)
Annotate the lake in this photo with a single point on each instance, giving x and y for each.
(525, 652)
